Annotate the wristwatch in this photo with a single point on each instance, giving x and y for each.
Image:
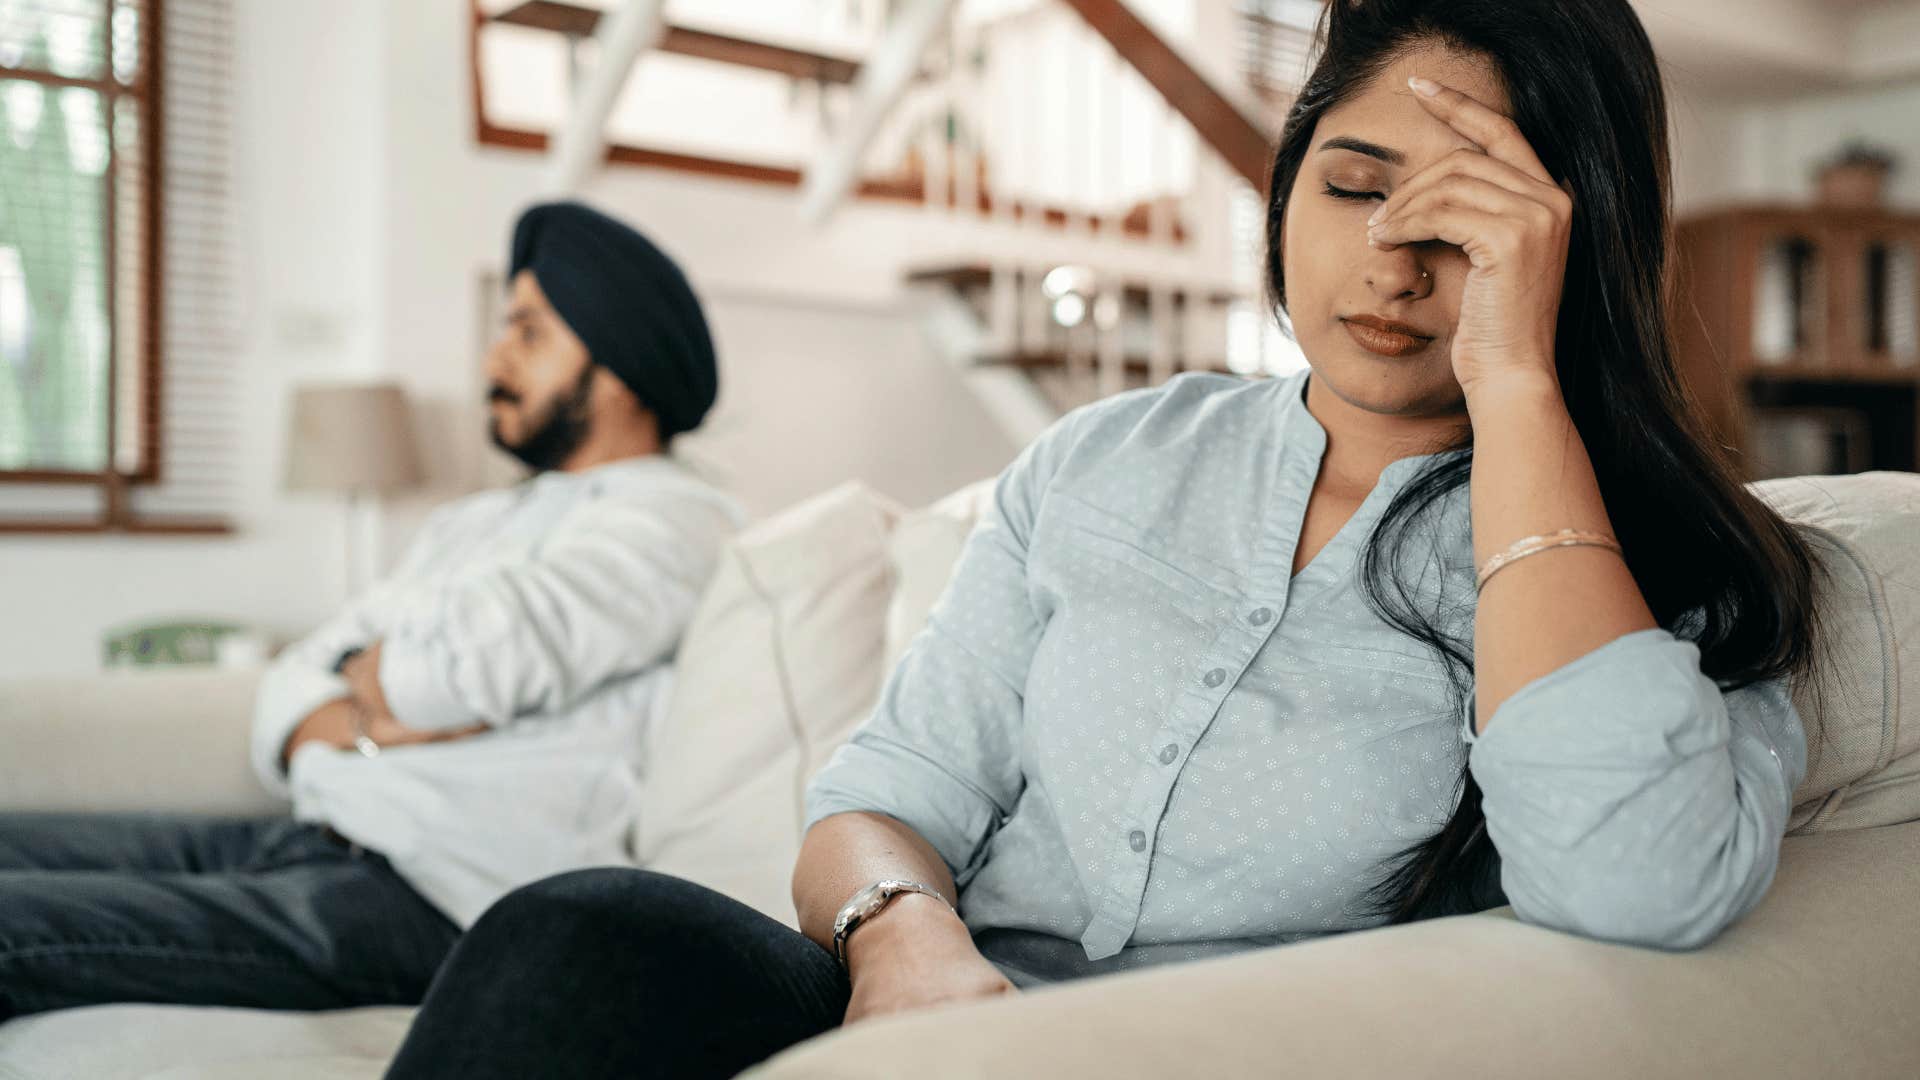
(867, 903)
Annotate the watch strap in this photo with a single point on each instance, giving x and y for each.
(869, 902)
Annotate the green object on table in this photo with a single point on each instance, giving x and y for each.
(168, 644)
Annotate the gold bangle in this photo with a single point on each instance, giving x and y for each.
(1533, 545)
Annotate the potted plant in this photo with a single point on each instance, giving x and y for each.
(1855, 176)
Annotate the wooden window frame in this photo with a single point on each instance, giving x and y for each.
(146, 88)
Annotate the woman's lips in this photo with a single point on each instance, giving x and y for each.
(1384, 342)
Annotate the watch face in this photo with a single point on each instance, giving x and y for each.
(863, 906)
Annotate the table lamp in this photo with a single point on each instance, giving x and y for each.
(355, 439)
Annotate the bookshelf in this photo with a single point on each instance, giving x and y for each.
(1798, 330)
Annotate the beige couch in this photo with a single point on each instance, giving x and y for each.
(786, 655)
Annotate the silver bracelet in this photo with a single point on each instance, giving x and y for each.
(867, 903)
(362, 741)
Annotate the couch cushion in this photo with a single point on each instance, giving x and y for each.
(1863, 743)
(781, 660)
(179, 739)
(1815, 981)
(141, 1042)
(922, 551)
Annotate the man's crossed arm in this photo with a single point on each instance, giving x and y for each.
(363, 713)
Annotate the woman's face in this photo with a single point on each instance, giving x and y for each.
(1368, 144)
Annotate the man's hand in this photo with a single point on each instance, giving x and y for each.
(362, 672)
(384, 730)
(332, 725)
(916, 954)
(329, 725)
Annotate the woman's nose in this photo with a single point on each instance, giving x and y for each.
(1398, 275)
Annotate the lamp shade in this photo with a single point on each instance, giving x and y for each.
(354, 438)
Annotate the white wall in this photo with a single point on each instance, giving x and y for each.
(1780, 145)
(308, 169)
(1737, 151)
(1704, 138)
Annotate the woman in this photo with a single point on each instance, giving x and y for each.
(1208, 672)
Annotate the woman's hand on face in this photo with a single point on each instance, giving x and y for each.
(915, 955)
(1504, 210)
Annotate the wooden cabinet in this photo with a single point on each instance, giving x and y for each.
(1798, 334)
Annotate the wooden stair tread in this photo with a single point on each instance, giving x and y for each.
(574, 20)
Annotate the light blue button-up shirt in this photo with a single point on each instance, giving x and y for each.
(1136, 736)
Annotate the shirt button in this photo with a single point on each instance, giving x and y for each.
(1137, 840)
(1215, 677)
(1168, 753)
(1259, 616)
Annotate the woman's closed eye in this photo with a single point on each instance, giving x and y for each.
(1354, 196)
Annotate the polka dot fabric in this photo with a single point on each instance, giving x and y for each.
(1136, 736)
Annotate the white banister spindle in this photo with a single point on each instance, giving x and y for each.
(933, 152)
(966, 110)
(985, 117)
(1037, 322)
(626, 33)
(1036, 312)
(1083, 110)
(1111, 185)
(1085, 193)
(1200, 331)
(1161, 357)
(1109, 322)
(1159, 327)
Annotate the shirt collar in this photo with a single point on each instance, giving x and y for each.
(618, 468)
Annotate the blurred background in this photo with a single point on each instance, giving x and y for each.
(244, 239)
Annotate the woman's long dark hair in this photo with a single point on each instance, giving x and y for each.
(1716, 565)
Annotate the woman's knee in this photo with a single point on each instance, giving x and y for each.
(602, 905)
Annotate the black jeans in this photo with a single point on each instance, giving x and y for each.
(195, 911)
(621, 973)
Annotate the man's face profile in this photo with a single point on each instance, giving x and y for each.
(539, 380)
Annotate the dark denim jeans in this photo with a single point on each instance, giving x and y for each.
(266, 914)
(621, 973)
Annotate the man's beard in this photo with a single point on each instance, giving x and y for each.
(559, 435)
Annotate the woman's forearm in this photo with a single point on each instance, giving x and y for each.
(1531, 475)
(845, 853)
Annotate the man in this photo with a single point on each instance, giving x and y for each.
(471, 724)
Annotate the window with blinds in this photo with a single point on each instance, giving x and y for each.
(117, 375)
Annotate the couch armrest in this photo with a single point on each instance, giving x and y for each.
(171, 741)
(1817, 980)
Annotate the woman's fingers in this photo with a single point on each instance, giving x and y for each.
(1481, 234)
(1469, 193)
(1497, 134)
(1467, 163)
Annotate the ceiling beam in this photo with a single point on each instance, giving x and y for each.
(582, 140)
(1220, 123)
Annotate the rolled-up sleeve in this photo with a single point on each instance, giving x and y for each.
(941, 750)
(1631, 799)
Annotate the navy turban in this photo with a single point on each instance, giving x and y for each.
(627, 302)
